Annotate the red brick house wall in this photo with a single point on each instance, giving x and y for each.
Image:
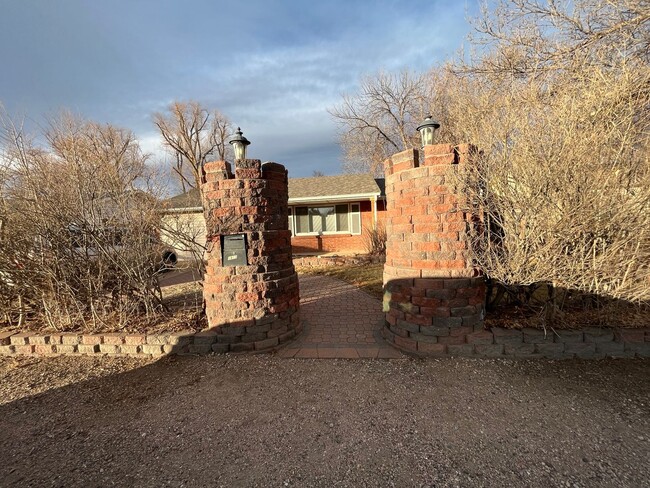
(341, 242)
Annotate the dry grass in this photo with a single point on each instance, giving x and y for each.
(184, 302)
(367, 277)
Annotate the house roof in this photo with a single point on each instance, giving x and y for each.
(329, 186)
(189, 199)
(315, 188)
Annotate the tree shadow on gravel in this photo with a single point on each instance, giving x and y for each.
(264, 421)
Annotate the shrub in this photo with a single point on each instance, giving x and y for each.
(80, 225)
(374, 239)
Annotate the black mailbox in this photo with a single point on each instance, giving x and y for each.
(234, 250)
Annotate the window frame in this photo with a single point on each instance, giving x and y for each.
(294, 227)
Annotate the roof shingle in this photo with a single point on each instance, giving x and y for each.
(314, 187)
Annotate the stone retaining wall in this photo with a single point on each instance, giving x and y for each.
(587, 343)
(187, 342)
(475, 341)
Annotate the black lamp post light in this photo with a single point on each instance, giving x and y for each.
(427, 130)
(239, 143)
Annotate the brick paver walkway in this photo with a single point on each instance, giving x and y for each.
(340, 322)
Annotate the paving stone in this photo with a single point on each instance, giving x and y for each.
(537, 336)
(582, 350)
(206, 337)
(153, 349)
(629, 335)
(266, 344)
(466, 311)
(287, 336)
(25, 349)
(403, 324)
(135, 339)
(287, 352)
(598, 334)
(433, 350)
(389, 353)
(455, 340)
(242, 347)
(447, 321)
(569, 336)
(39, 339)
(260, 336)
(398, 331)
(434, 330)
(54, 339)
(88, 348)
(44, 349)
(407, 344)
(338, 353)
(131, 349)
(489, 350)
(614, 349)
(204, 348)
(462, 350)
(5, 337)
(461, 331)
(519, 350)
(641, 349)
(424, 338)
(113, 339)
(368, 353)
(307, 353)
(91, 339)
(69, 338)
(220, 348)
(480, 337)
(552, 350)
(473, 320)
(109, 349)
(507, 336)
(157, 339)
(180, 338)
(19, 339)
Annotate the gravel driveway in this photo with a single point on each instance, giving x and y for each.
(266, 421)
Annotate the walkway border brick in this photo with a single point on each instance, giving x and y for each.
(587, 343)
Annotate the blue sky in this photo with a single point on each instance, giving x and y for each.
(274, 67)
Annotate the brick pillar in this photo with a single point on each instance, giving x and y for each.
(251, 306)
(433, 297)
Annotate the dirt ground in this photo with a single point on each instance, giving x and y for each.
(266, 421)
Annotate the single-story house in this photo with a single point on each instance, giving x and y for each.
(327, 214)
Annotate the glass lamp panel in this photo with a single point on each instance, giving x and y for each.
(427, 136)
(238, 149)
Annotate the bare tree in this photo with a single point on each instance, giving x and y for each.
(530, 37)
(381, 119)
(557, 101)
(317, 173)
(194, 134)
(79, 244)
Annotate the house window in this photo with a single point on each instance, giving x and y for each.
(355, 217)
(327, 219)
(291, 229)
